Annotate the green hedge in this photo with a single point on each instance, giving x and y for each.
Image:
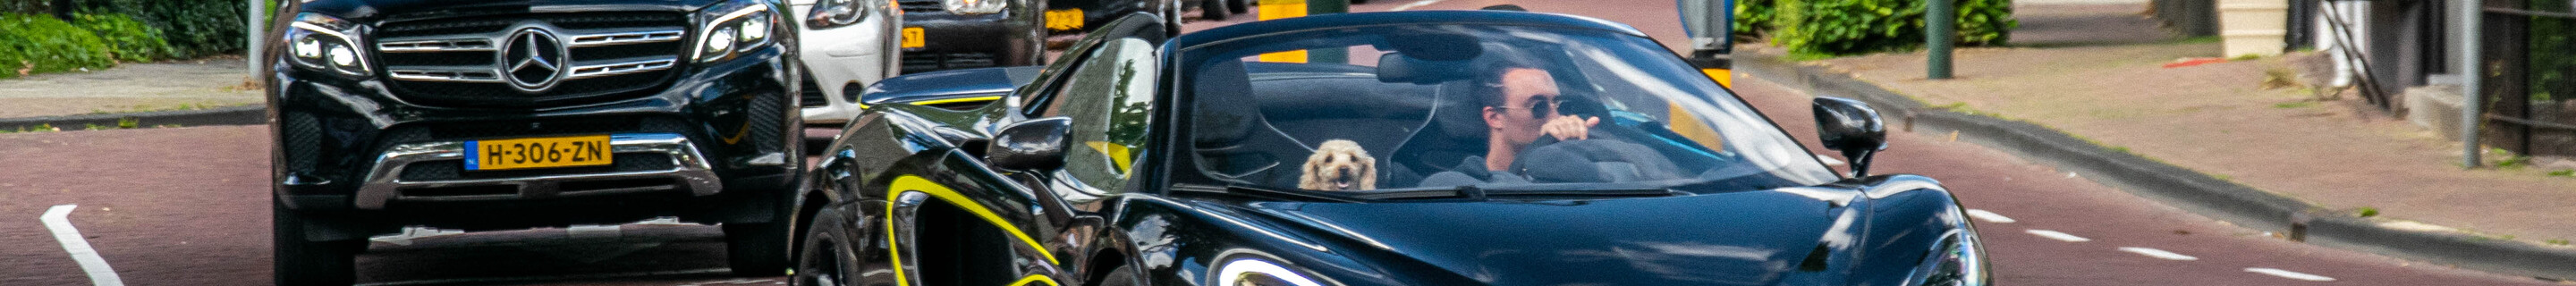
(129, 40)
(42, 44)
(193, 28)
(1846, 27)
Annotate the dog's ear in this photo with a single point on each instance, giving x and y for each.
(1368, 173)
(1308, 179)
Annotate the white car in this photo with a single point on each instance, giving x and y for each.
(847, 44)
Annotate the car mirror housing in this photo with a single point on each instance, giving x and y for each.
(1852, 127)
(1029, 145)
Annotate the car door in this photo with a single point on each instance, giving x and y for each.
(969, 225)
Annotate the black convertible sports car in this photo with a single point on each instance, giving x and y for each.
(1351, 149)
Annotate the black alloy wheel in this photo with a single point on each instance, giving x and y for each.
(1213, 10)
(826, 258)
(303, 262)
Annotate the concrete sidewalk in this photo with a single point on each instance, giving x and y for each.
(207, 83)
(2097, 72)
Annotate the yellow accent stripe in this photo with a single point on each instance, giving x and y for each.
(1036, 278)
(1283, 9)
(957, 100)
(911, 183)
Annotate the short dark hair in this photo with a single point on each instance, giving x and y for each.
(1489, 84)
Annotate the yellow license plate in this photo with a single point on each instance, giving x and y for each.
(912, 37)
(546, 152)
(1064, 19)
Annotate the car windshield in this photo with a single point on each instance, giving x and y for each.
(1489, 106)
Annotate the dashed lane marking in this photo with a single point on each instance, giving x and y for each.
(2059, 236)
(1414, 4)
(1989, 216)
(2291, 275)
(59, 220)
(2158, 253)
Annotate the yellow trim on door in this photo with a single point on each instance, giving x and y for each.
(911, 183)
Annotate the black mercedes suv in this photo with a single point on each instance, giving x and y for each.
(493, 115)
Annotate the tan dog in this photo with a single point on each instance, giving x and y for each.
(1339, 165)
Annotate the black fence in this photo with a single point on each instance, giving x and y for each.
(2530, 84)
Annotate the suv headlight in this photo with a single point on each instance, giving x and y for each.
(741, 27)
(829, 14)
(972, 7)
(325, 44)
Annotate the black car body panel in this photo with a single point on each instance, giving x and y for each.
(958, 199)
(953, 89)
(1016, 36)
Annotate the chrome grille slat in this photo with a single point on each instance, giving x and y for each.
(448, 73)
(622, 37)
(435, 45)
(621, 66)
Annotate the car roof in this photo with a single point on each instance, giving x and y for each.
(1328, 21)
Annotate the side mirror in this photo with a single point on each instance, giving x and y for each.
(1029, 145)
(1852, 127)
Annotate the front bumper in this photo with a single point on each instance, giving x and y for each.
(839, 60)
(952, 41)
(688, 171)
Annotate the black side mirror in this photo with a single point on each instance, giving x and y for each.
(1852, 127)
(1030, 145)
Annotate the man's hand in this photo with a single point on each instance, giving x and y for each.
(1569, 127)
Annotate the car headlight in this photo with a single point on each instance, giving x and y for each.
(325, 44)
(829, 14)
(741, 27)
(1960, 260)
(1257, 272)
(972, 7)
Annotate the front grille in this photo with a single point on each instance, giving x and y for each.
(919, 6)
(459, 61)
(926, 62)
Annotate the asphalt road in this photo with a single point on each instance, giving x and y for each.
(186, 206)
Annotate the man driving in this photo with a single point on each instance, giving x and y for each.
(1520, 104)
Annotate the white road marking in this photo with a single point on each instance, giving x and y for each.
(2159, 253)
(525, 279)
(2060, 236)
(1414, 4)
(59, 220)
(1989, 216)
(2291, 275)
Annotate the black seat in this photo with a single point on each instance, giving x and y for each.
(1232, 140)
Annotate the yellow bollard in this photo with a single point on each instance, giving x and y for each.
(1283, 9)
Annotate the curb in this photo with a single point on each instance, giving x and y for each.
(237, 115)
(2184, 188)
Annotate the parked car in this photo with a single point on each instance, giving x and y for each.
(1224, 157)
(848, 44)
(1076, 16)
(508, 115)
(957, 34)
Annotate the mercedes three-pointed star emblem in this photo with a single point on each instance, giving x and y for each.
(533, 58)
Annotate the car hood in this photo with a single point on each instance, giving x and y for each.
(373, 11)
(1740, 238)
(949, 84)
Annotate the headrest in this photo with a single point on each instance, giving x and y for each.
(1225, 107)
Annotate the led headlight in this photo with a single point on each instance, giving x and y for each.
(321, 43)
(972, 7)
(1960, 259)
(1256, 272)
(829, 14)
(737, 30)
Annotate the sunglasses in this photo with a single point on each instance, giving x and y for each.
(1539, 108)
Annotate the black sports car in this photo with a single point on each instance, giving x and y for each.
(1352, 149)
